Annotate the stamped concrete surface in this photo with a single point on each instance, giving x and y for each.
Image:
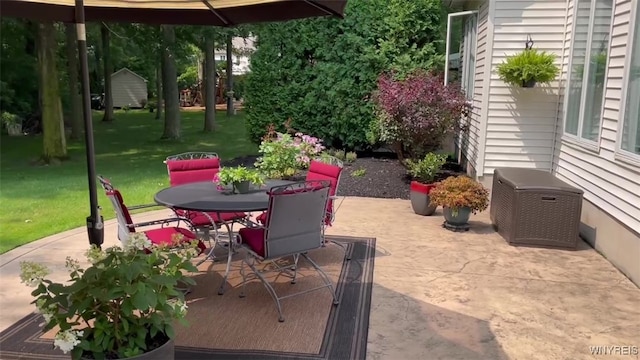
(439, 294)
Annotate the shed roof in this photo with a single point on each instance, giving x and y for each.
(129, 71)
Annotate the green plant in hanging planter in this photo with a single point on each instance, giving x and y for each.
(527, 68)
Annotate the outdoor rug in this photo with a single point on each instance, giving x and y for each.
(229, 327)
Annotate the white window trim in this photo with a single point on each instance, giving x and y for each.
(587, 144)
(621, 154)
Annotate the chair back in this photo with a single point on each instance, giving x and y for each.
(294, 221)
(192, 167)
(125, 223)
(330, 172)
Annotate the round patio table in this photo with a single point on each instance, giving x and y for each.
(205, 197)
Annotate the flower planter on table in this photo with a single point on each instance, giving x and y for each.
(532, 207)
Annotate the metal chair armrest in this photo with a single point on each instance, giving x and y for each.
(143, 206)
(163, 222)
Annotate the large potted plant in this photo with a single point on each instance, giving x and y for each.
(283, 156)
(423, 172)
(528, 67)
(122, 306)
(240, 178)
(13, 123)
(460, 196)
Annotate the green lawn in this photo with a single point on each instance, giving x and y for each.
(37, 201)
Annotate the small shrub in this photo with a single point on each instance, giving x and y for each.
(339, 154)
(350, 157)
(417, 113)
(359, 172)
(143, 103)
(528, 66)
(425, 170)
(460, 191)
(9, 119)
(126, 108)
(282, 155)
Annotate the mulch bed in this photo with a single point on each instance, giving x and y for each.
(378, 177)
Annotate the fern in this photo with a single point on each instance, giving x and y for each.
(528, 66)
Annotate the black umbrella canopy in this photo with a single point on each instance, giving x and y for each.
(172, 12)
(184, 12)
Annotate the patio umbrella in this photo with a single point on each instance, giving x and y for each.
(184, 12)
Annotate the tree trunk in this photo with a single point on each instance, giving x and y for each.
(74, 91)
(160, 102)
(53, 137)
(229, 75)
(108, 70)
(170, 85)
(210, 85)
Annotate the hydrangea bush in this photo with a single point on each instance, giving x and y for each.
(282, 154)
(122, 305)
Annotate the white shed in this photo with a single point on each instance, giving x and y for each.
(128, 89)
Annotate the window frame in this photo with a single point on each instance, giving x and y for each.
(621, 154)
(577, 139)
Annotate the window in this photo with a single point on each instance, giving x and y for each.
(630, 131)
(469, 55)
(588, 68)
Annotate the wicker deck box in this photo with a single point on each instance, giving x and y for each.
(533, 207)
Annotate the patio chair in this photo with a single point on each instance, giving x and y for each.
(194, 167)
(292, 228)
(163, 235)
(328, 169)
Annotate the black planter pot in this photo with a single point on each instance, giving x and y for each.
(529, 84)
(241, 187)
(163, 352)
(457, 218)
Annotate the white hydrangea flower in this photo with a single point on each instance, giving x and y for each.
(137, 241)
(47, 311)
(32, 273)
(95, 255)
(179, 306)
(72, 264)
(67, 340)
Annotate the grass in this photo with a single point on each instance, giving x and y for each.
(38, 200)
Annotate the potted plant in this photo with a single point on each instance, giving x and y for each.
(13, 123)
(528, 67)
(122, 306)
(240, 177)
(460, 196)
(423, 173)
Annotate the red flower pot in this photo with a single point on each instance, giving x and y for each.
(420, 201)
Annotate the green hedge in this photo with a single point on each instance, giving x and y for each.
(321, 72)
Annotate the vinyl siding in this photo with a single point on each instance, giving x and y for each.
(609, 184)
(469, 142)
(127, 89)
(521, 123)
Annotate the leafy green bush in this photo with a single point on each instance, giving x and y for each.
(425, 170)
(528, 66)
(321, 72)
(232, 175)
(350, 157)
(283, 155)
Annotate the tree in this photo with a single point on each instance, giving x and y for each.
(108, 70)
(170, 85)
(210, 83)
(53, 139)
(75, 112)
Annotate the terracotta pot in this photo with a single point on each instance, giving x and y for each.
(420, 201)
(457, 218)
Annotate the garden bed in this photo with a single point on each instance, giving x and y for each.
(377, 177)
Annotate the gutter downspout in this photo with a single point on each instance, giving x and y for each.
(559, 103)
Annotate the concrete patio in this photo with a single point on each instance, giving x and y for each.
(438, 294)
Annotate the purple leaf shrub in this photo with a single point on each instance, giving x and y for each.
(415, 114)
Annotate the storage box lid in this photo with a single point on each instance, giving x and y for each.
(530, 179)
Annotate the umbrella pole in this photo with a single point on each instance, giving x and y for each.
(95, 226)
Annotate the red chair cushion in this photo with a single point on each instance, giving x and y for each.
(323, 171)
(194, 170)
(254, 238)
(165, 236)
(199, 219)
(262, 218)
(125, 211)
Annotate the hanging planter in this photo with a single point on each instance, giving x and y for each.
(528, 68)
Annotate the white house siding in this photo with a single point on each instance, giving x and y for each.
(469, 143)
(127, 89)
(607, 183)
(521, 123)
